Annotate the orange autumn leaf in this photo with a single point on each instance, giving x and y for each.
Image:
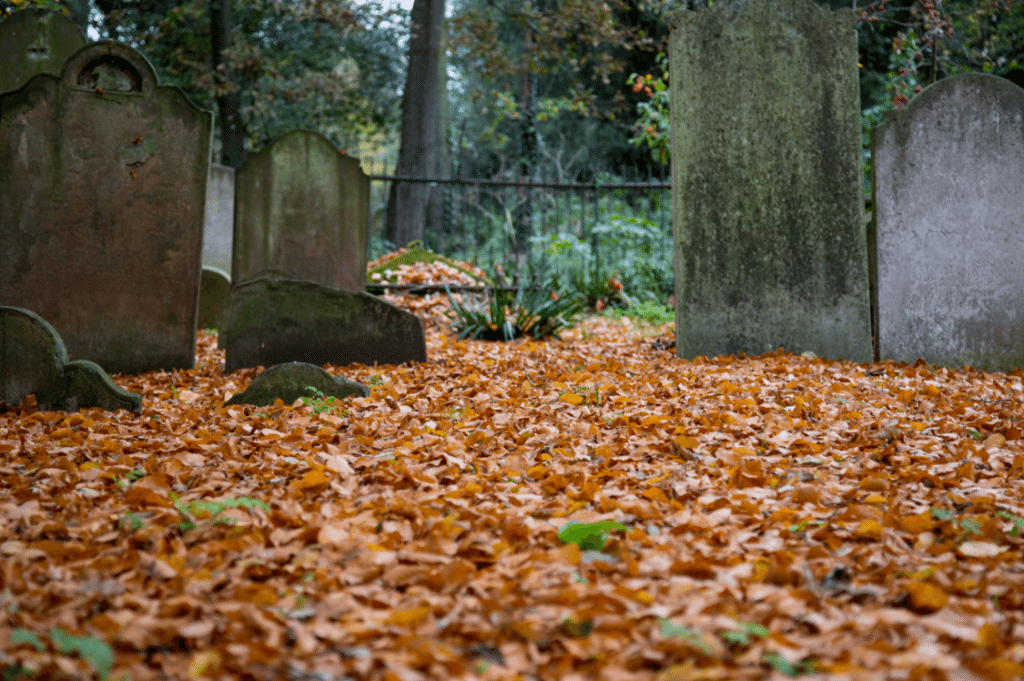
(926, 598)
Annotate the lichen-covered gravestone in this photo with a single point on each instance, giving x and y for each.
(770, 248)
(301, 209)
(949, 225)
(295, 380)
(101, 215)
(35, 41)
(272, 320)
(220, 218)
(34, 361)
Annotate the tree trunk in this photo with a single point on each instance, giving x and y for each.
(232, 132)
(419, 154)
(528, 149)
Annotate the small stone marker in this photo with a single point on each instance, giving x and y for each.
(101, 234)
(770, 247)
(212, 290)
(33, 361)
(291, 381)
(272, 320)
(949, 223)
(301, 209)
(35, 41)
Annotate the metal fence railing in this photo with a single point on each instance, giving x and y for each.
(540, 224)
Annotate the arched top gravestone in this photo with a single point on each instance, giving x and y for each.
(301, 209)
(949, 225)
(33, 361)
(35, 41)
(101, 218)
(770, 248)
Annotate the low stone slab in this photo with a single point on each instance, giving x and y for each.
(34, 361)
(213, 286)
(271, 320)
(293, 381)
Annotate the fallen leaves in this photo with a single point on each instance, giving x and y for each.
(590, 508)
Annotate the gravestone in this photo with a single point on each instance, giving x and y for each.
(213, 287)
(220, 217)
(34, 361)
(293, 380)
(272, 320)
(949, 225)
(101, 214)
(770, 247)
(301, 209)
(35, 41)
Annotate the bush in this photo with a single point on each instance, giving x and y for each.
(632, 261)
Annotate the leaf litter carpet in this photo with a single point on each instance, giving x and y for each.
(784, 516)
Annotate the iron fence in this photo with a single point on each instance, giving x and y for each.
(557, 227)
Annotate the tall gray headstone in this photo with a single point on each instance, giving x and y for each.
(770, 247)
(101, 213)
(220, 217)
(949, 225)
(35, 41)
(301, 209)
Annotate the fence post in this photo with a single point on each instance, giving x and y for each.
(593, 231)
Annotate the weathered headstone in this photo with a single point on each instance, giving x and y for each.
(220, 217)
(770, 248)
(949, 225)
(293, 380)
(213, 287)
(101, 214)
(35, 41)
(272, 320)
(301, 209)
(34, 361)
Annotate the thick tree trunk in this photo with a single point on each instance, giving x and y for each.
(232, 132)
(420, 151)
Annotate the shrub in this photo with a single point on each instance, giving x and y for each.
(533, 311)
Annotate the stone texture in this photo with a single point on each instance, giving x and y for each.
(33, 361)
(770, 248)
(218, 232)
(213, 287)
(35, 41)
(271, 320)
(301, 209)
(949, 225)
(291, 381)
(101, 214)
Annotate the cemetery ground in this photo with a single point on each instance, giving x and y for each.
(593, 507)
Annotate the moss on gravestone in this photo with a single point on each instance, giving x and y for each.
(293, 381)
(416, 254)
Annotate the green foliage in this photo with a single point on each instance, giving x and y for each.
(324, 404)
(201, 509)
(325, 66)
(132, 521)
(625, 259)
(1018, 522)
(781, 664)
(692, 637)
(653, 127)
(742, 635)
(94, 651)
(589, 536)
(535, 312)
(646, 311)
